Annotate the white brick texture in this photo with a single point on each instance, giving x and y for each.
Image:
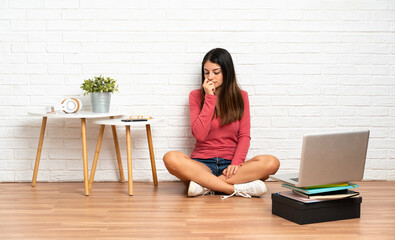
(309, 66)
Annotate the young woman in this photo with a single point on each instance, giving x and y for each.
(220, 122)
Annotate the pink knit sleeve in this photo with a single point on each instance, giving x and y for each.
(244, 138)
(201, 119)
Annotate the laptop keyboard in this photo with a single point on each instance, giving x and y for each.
(294, 179)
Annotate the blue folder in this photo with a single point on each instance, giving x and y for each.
(320, 190)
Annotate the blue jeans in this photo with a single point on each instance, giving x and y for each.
(217, 165)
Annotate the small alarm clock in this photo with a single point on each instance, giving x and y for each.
(71, 105)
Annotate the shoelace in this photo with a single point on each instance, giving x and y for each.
(239, 193)
(208, 191)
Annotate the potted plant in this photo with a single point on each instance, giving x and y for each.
(100, 90)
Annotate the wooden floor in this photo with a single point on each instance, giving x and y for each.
(61, 211)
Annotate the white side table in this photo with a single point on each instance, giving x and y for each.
(118, 122)
(83, 115)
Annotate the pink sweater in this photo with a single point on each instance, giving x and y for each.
(213, 140)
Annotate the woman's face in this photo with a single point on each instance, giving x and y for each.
(213, 73)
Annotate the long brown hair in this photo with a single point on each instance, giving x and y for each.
(231, 104)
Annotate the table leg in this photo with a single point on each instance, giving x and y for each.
(129, 153)
(85, 155)
(38, 155)
(151, 153)
(118, 152)
(98, 146)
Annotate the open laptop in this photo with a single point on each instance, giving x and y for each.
(329, 158)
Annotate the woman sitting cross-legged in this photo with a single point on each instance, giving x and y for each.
(220, 122)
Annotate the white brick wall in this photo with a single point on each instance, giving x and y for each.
(309, 66)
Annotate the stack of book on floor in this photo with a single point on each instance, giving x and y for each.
(320, 193)
(317, 203)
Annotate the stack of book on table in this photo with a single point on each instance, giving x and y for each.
(320, 193)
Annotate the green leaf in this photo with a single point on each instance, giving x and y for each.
(99, 84)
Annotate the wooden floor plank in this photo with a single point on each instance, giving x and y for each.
(61, 211)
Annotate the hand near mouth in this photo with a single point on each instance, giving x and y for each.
(208, 87)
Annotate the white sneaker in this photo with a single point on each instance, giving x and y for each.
(196, 189)
(251, 189)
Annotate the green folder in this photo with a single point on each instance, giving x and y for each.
(320, 190)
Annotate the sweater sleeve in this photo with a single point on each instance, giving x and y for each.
(243, 138)
(201, 119)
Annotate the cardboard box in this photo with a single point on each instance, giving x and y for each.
(305, 213)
